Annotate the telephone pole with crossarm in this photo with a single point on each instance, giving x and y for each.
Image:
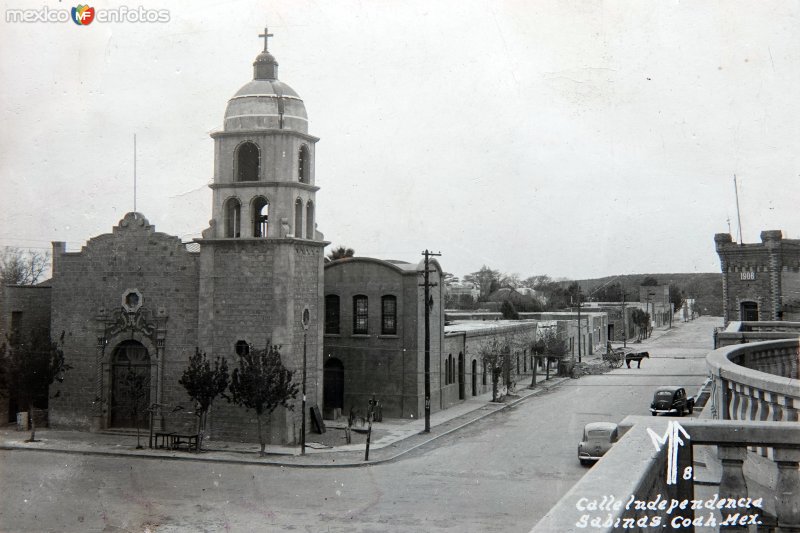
(428, 302)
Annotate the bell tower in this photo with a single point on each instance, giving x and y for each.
(261, 262)
(264, 161)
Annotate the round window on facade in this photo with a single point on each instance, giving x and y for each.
(132, 300)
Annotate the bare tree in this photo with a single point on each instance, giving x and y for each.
(495, 354)
(22, 267)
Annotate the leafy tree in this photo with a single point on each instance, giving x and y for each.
(675, 296)
(203, 384)
(340, 252)
(28, 366)
(21, 267)
(508, 310)
(486, 279)
(609, 293)
(466, 301)
(649, 281)
(263, 384)
(641, 321)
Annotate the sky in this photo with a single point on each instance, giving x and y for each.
(577, 139)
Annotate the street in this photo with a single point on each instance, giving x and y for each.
(499, 474)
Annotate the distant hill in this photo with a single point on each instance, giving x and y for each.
(706, 288)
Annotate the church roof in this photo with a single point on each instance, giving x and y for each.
(266, 102)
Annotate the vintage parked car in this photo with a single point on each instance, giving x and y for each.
(597, 440)
(669, 400)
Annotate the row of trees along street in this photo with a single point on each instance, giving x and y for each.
(501, 354)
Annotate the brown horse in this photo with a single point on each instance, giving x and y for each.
(638, 356)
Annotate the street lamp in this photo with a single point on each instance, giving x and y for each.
(306, 319)
(650, 297)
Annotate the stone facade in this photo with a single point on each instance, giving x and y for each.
(136, 303)
(760, 281)
(369, 354)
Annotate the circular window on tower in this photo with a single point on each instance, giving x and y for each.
(132, 300)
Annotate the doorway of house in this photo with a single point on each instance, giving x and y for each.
(333, 389)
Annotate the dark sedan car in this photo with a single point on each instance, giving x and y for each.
(671, 400)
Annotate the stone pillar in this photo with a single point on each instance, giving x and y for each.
(732, 484)
(720, 240)
(787, 490)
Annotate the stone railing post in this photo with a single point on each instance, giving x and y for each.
(732, 483)
(787, 505)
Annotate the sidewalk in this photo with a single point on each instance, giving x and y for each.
(391, 439)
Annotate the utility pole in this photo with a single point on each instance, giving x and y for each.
(306, 319)
(580, 328)
(427, 284)
(624, 325)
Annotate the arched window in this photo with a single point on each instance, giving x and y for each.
(242, 348)
(260, 212)
(298, 218)
(360, 315)
(389, 315)
(247, 162)
(332, 314)
(310, 220)
(447, 370)
(302, 164)
(233, 215)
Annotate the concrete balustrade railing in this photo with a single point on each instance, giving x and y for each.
(741, 332)
(756, 381)
(627, 489)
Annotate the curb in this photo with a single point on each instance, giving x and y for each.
(248, 462)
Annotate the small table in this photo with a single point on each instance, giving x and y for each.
(166, 439)
(188, 440)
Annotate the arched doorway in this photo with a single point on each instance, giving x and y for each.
(474, 377)
(130, 384)
(461, 379)
(333, 389)
(749, 311)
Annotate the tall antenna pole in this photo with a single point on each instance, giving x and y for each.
(134, 172)
(738, 216)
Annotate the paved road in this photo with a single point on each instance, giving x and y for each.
(501, 474)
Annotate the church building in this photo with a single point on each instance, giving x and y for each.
(139, 300)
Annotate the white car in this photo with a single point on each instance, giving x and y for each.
(597, 440)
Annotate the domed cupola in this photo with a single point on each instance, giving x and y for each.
(266, 102)
(264, 177)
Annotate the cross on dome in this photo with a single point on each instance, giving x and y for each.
(266, 35)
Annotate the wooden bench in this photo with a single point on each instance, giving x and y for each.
(188, 440)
